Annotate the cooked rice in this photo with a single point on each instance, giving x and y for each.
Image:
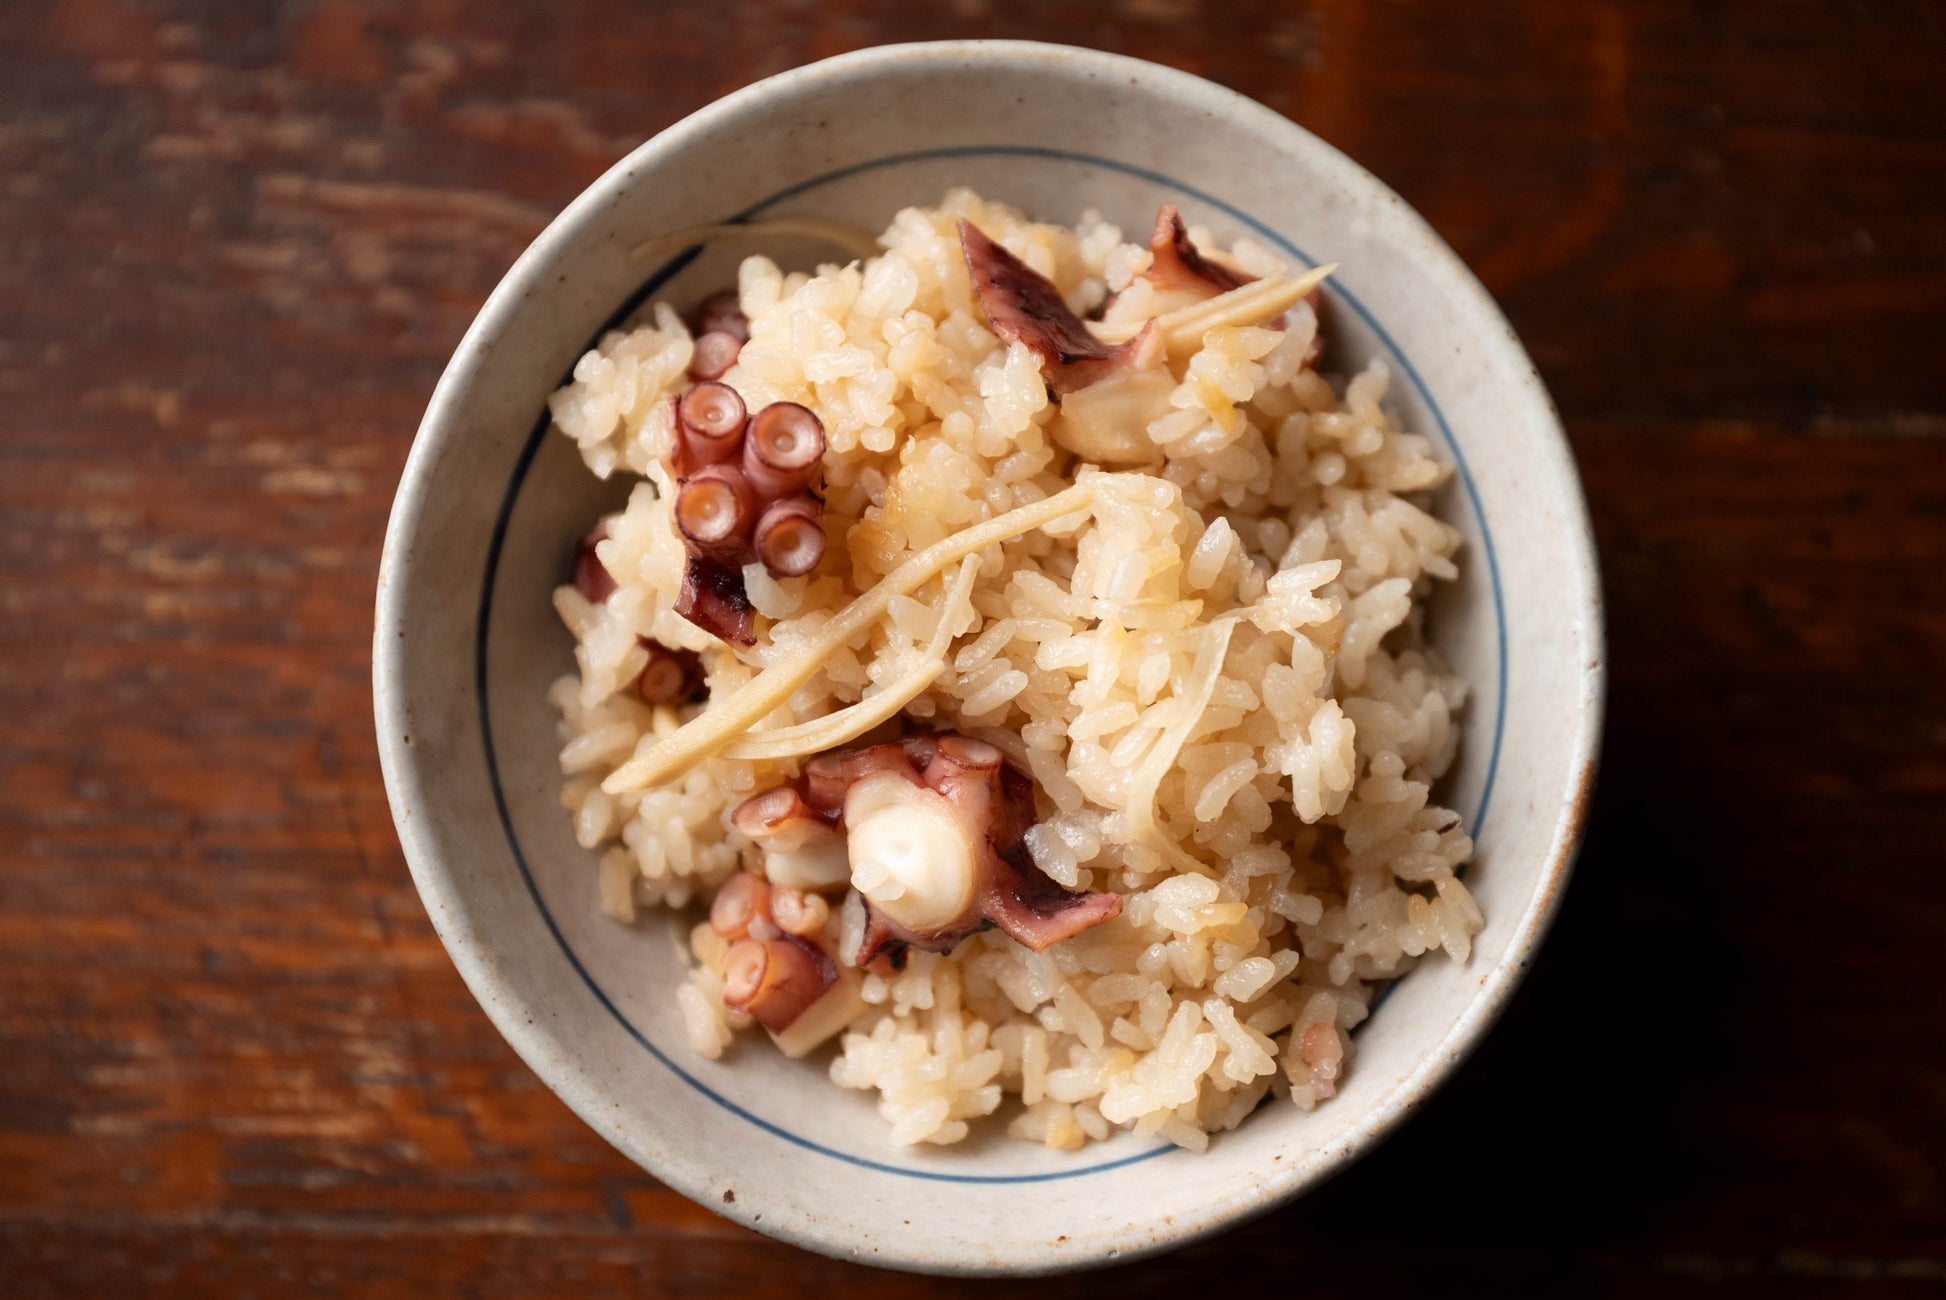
(1293, 860)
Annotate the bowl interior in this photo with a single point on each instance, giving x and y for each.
(493, 503)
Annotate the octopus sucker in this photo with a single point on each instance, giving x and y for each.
(743, 900)
(783, 449)
(716, 510)
(670, 676)
(801, 849)
(934, 829)
(780, 814)
(710, 419)
(790, 537)
(1023, 306)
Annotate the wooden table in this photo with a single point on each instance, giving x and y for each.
(237, 243)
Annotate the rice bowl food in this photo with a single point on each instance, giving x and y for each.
(1016, 645)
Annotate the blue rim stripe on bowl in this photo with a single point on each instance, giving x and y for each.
(661, 276)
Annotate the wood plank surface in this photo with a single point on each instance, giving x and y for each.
(237, 244)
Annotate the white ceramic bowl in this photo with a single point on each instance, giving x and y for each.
(490, 506)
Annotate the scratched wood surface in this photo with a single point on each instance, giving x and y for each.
(237, 243)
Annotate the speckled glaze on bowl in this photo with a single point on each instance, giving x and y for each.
(489, 508)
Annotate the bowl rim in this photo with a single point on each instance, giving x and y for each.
(445, 900)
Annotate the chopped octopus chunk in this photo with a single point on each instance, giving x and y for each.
(1022, 306)
(935, 829)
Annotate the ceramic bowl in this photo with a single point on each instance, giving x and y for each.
(491, 504)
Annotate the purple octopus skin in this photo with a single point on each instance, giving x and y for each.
(1023, 306)
(995, 801)
(591, 576)
(721, 312)
(747, 491)
(1176, 263)
(769, 974)
(775, 980)
(713, 598)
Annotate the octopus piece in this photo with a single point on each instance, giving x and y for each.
(790, 535)
(1181, 275)
(775, 981)
(1177, 266)
(670, 676)
(747, 491)
(716, 510)
(1023, 306)
(720, 329)
(1178, 269)
(721, 313)
(741, 902)
(710, 419)
(934, 833)
(591, 577)
(713, 597)
(771, 973)
(1178, 272)
(783, 450)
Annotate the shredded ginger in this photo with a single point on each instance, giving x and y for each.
(1252, 304)
(848, 724)
(668, 758)
(1191, 705)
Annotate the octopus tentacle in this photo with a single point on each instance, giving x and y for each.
(801, 847)
(1037, 912)
(775, 980)
(746, 493)
(742, 900)
(775, 968)
(709, 425)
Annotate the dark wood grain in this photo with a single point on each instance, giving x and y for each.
(237, 243)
